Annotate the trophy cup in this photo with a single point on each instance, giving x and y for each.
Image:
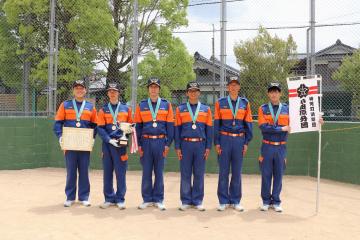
(126, 128)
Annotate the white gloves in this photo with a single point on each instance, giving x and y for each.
(114, 143)
(60, 142)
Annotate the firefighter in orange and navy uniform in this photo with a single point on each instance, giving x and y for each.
(232, 134)
(76, 113)
(114, 156)
(274, 125)
(193, 140)
(155, 132)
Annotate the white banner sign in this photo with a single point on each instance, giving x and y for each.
(303, 105)
(77, 139)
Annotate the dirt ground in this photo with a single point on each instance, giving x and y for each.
(31, 208)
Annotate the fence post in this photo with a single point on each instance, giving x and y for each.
(223, 48)
(312, 35)
(50, 104)
(135, 57)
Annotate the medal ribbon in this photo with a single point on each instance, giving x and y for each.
(275, 117)
(234, 112)
(78, 113)
(114, 115)
(154, 113)
(193, 117)
(134, 143)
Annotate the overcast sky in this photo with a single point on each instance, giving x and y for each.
(271, 13)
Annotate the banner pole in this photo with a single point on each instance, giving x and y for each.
(319, 150)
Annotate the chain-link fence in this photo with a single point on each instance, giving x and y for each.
(178, 41)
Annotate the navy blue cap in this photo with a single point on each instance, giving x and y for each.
(192, 85)
(233, 79)
(79, 83)
(274, 85)
(113, 86)
(153, 80)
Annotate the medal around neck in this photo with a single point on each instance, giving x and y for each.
(275, 117)
(154, 112)
(193, 116)
(114, 115)
(234, 111)
(78, 112)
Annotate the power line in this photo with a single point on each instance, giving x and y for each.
(210, 3)
(272, 28)
(201, 3)
(198, 1)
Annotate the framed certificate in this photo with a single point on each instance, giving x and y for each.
(77, 139)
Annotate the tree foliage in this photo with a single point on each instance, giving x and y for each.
(157, 19)
(174, 68)
(348, 74)
(264, 59)
(85, 29)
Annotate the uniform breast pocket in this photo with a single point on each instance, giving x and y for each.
(268, 119)
(70, 114)
(146, 116)
(162, 115)
(108, 119)
(202, 117)
(86, 115)
(225, 113)
(283, 120)
(122, 116)
(240, 114)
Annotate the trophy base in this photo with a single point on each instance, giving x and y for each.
(123, 142)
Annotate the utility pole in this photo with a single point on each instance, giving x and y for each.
(312, 34)
(135, 56)
(222, 47)
(50, 104)
(308, 55)
(213, 64)
(56, 66)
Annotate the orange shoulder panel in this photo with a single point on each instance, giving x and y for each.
(217, 111)
(170, 117)
(209, 121)
(248, 115)
(101, 118)
(137, 116)
(60, 114)
(261, 118)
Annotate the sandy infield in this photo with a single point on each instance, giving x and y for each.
(31, 208)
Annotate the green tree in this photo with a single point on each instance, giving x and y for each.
(85, 29)
(10, 61)
(348, 74)
(263, 59)
(157, 19)
(174, 68)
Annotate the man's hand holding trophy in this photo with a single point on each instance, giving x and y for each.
(126, 128)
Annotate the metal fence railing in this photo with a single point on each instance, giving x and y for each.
(177, 41)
